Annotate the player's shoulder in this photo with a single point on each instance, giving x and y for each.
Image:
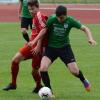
(52, 18)
(40, 15)
(70, 18)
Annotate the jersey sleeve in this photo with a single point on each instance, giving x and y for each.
(41, 21)
(76, 23)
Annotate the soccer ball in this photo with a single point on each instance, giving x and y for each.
(45, 93)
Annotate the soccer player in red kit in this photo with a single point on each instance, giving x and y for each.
(27, 52)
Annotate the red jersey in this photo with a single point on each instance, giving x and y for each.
(39, 22)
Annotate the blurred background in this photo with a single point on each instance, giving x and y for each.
(57, 1)
(70, 1)
(65, 86)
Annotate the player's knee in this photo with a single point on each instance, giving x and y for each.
(16, 59)
(24, 31)
(43, 68)
(74, 71)
(73, 68)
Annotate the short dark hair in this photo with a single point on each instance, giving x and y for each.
(61, 10)
(33, 3)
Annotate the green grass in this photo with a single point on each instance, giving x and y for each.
(65, 86)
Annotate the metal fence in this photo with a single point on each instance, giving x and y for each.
(71, 1)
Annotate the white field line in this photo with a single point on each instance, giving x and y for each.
(91, 9)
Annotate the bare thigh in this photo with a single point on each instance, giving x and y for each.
(45, 63)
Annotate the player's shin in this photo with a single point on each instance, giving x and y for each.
(80, 76)
(85, 82)
(14, 72)
(37, 78)
(45, 79)
(25, 36)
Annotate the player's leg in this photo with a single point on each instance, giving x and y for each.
(14, 71)
(73, 68)
(15, 66)
(68, 58)
(48, 58)
(24, 53)
(35, 73)
(25, 22)
(45, 63)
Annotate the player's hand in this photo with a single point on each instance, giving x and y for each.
(36, 51)
(30, 44)
(92, 42)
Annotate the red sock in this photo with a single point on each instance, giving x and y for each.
(14, 72)
(37, 78)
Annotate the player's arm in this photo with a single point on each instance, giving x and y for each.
(88, 33)
(39, 36)
(42, 26)
(85, 29)
(20, 8)
(43, 31)
(37, 49)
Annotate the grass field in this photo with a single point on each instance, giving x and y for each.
(65, 86)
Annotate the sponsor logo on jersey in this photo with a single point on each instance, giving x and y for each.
(65, 25)
(55, 24)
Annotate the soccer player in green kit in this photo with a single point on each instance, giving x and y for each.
(59, 26)
(26, 18)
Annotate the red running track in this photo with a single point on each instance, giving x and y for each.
(88, 14)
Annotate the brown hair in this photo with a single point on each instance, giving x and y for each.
(33, 3)
(61, 10)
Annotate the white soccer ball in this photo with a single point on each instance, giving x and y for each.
(45, 93)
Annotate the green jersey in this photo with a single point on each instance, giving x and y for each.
(25, 11)
(59, 32)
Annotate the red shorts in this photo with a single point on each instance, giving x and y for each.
(26, 52)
